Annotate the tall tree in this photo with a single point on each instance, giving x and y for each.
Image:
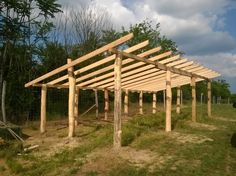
(23, 25)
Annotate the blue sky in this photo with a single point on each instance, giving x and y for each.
(204, 29)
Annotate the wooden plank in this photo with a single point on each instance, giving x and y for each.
(101, 62)
(106, 108)
(82, 59)
(178, 101)
(141, 102)
(209, 98)
(158, 65)
(71, 100)
(168, 101)
(117, 103)
(124, 62)
(43, 109)
(126, 103)
(133, 70)
(193, 84)
(154, 103)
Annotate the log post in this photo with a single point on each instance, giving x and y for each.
(43, 109)
(76, 110)
(154, 103)
(168, 101)
(96, 101)
(117, 102)
(71, 100)
(141, 102)
(126, 103)
(193, 84)
(209, 98)
(106, 108)
(178, 100)
(181, 97)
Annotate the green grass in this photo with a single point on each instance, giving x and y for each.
(145, 132)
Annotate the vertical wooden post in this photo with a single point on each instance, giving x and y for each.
(193, 84)
(168, 101)
(141, 102)
(76, 110)
(126, 103)
(96, 101)
(71, 101)
(178, 100)
(181, 97)
(106, 108)
(117, 102)
(154, 103)
(164, 99)
(209, 98)
(43, 109)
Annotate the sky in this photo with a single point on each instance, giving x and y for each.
(204, 29)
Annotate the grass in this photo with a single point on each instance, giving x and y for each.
(146, 132)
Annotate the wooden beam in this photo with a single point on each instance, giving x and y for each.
(82, 59)
(126, 103)
(178, 100)
(117, 102)
(193, 84)
(71, 100)
(141, 102)
(106, 108)
(154, 103)
(111, 74)
(158, 65)
(43, 109)
(168, 101)
(145, 73)
(76, 109)
(209, 98)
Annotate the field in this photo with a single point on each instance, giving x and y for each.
(201, 148)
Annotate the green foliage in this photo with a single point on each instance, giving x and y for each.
(147, 30)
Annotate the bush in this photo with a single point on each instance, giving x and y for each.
(234, 104)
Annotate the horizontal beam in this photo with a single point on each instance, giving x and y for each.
(157, 64)
(81, 59)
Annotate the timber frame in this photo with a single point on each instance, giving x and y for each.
(149, 71)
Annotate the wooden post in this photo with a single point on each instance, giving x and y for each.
(178, 100)
(76, 110)
(43, 109)
(193, 84)
(106, 108)
(181, 97)
(168, 101)
(154, 103)
(126, 103)
(71, 102)
(117, 102)
(96, 101)
(141, 102)
(209, 98)
(164, 99)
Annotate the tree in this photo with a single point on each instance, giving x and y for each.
(22, 27)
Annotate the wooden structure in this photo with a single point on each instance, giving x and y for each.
(149, 71)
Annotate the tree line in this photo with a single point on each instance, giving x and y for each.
(37, 37)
